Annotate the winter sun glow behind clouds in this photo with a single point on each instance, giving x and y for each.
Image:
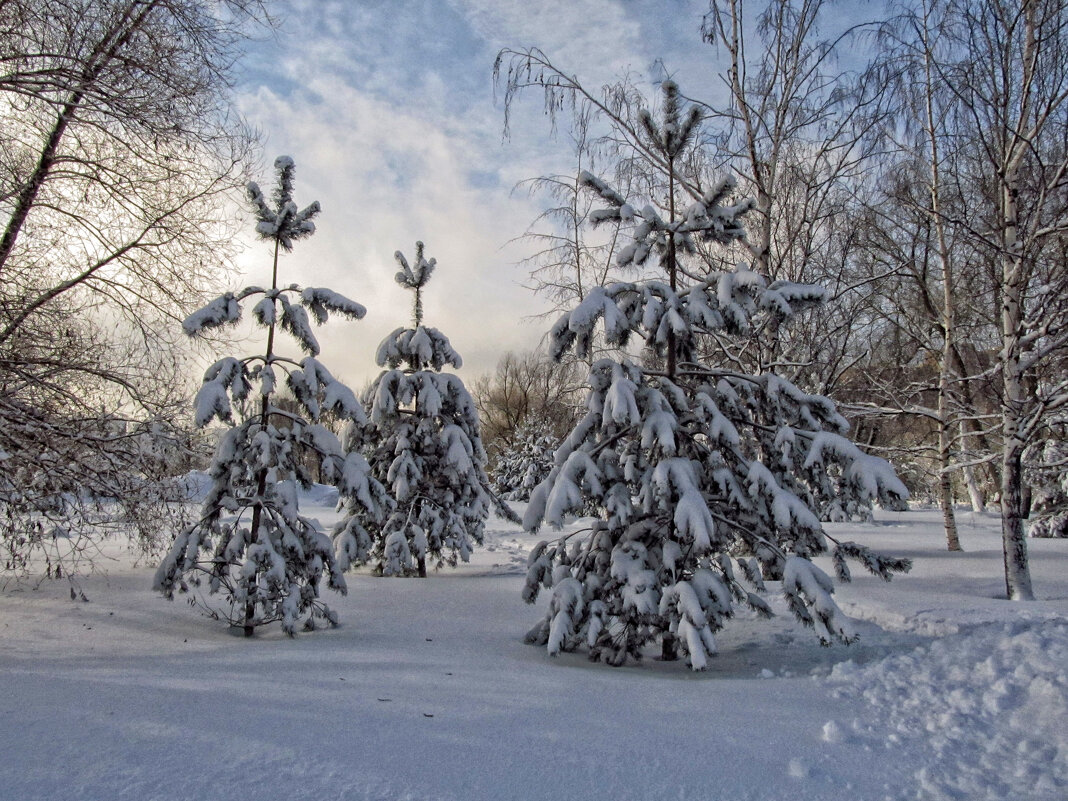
(388, 109)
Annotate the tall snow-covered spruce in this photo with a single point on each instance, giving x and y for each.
(251, 545)
(423, 443)
(707, 479)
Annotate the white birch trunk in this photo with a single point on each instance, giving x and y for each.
(975, 492)
(1013, 285)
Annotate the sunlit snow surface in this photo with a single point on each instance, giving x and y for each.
(427, 692)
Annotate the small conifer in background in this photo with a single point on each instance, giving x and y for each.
(424, 444)
(527, 461)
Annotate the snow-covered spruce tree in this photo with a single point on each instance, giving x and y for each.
(527, 461)
(1046, 468)
(704, 475)
(424, 445)
(252, 545)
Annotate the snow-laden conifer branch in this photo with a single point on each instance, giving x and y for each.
(659, 314)
(321, 301)
(224, 310)
(419, 348)
(225, 381)
(294, 320)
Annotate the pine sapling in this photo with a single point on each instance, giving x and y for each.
(705, 478)
(251, 545)
(424, 444)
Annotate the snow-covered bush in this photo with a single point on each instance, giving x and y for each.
(705, 477)
(251, 544)
(423, 444)
(68, 484)
(1046, 470)
(527, 460)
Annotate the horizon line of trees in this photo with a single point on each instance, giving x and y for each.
(926, 189)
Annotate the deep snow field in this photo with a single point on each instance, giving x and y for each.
(426, 692)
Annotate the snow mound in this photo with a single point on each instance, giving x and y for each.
(990, 704)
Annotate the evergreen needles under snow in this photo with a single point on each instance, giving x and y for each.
(251, 545)
(527, 460)
(703, 477)
(424, 445)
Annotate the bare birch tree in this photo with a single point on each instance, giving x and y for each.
(998, 70)
(120, 146)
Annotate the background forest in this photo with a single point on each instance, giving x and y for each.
(914, 165)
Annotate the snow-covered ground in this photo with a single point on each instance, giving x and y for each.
(426, 691)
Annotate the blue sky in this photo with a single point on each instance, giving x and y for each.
(388, 108)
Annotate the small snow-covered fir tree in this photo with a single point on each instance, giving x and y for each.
(251, 544)
(527, 461)
(423, 443)
(1047, 473)
(704, 476)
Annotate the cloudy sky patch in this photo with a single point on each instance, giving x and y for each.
(389, 110)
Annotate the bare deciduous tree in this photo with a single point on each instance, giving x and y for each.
(120, 146)
(993, 119)
(525, 386)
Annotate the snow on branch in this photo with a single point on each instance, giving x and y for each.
(808, 592)
(576, 477)
(224, 310)
(870, 477)
(565, 608)
(655, 312)
(320, 301)
(602, 189)
(294, 319)
(698, 607)
(418, 348)
(224, 382)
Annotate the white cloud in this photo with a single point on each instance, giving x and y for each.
(594, 39)
(388, 110)
(386, 177)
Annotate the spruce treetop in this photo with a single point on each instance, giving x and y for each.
(283, 223)
(675, 132)
(421, 347)
(415, 278)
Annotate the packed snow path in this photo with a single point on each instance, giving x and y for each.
(426, 691)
